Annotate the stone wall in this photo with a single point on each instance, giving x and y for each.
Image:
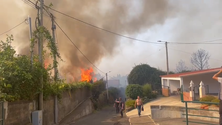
(158, 112)
(19, 113)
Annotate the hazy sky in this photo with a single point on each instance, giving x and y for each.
(197, 21)
(153, 20)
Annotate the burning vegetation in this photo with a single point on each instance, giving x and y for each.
(87, 75)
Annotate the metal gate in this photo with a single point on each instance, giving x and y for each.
(196, 93)
(187, 115)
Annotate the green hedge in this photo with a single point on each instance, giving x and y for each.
(134, 90)
(130, 103)
(59, 88)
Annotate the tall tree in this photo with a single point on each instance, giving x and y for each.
(181, 67)
(143, 73)
(200, 58)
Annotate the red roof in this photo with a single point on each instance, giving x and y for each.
(192, 73)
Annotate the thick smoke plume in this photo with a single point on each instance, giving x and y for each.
(128, 17)
(125, 17)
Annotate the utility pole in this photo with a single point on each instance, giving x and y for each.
(167, 61)
(30, 36)
(40, 49)
(107, 93)
(55, 70)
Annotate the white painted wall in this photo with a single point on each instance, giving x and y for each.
(205, 78)
(174, 84)
(164, 83)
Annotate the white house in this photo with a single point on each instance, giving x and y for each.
(172, 82)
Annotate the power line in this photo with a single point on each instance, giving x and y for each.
(203, 42)
(13, 28)
(191, 53)
(30, 3)
(120, 35)
(192, 43)
(77, 47)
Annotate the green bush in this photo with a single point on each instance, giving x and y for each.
(97, 88)
(52, 89)
(147, 91)
(19, 79)
(145, 100)
(134, 90)
(216, 100)
(153, 95)
(130, 103)
(209, 98)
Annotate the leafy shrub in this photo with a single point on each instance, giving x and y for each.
(97, 88)
(134, 90)
(209, 98)
(147, 91)
(145, 100)
(60, 87)
(130, 103)
(154, 95)
(19, 79)
(114, 92)
(216, 100)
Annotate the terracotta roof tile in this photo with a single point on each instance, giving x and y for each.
(192, 73)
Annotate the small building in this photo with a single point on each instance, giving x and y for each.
(171, 83)
(114, 83)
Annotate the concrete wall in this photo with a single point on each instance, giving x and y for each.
(205, 78)
(186, 96)
(19, 113)
(174, 84)
(165, 92)
(158, 111)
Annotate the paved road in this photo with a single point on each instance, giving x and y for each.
(143, 120)
(106, 116)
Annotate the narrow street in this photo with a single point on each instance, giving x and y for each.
(106, 116)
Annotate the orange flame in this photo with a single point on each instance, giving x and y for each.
(46, 64)
(95, 79)
(87, 75)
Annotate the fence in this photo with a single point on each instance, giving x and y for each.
(193, 115)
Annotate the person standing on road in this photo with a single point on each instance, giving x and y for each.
(121, 106)
(116, 106)
(138, 105)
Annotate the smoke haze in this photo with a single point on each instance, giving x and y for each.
(192, 22)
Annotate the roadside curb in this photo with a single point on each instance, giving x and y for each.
(143, 116)
(153, 120)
